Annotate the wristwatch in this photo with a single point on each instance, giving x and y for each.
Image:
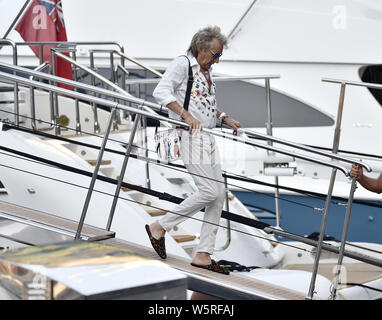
(222, 116)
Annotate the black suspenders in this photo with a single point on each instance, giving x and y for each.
(190, 82)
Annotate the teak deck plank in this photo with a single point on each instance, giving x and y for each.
(53, 221)
(239, 285)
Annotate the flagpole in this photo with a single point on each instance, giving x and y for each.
(21, 13)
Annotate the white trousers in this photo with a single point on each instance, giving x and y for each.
(201, 157)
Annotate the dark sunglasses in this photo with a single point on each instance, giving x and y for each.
(215, 55)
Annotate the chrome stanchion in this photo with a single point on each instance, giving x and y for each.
(95, 173)
(321, 238)
(343, 240)
(336, 143)
(270, 132)
(123, 170)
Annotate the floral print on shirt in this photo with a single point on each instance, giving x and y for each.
(204, 97)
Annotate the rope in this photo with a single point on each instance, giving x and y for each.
(360, 285)
(234, 266)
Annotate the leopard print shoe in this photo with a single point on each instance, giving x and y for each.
(213, 266)
(158, 245)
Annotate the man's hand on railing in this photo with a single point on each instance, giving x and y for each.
(371, 184)
(235, 125)
(356, 172)
(195, 125)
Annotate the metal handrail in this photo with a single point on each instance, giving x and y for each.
(119, 66)
(103, 79)
(73, 44)
(122, 54)
(72, 83)
(249, 77)
(307, 148)
(11, 43)
(71, 50)
(353, 83)
(271, 148)
(215, 79)
(41, 67)
(70, 43)
(41, 44)
(76, 102)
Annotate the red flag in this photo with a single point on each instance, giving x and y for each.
(44, 21)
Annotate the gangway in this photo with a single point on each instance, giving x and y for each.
(58, 229)
(44, 226)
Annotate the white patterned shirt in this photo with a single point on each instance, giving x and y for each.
(173, 85)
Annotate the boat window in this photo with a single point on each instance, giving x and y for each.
(373, 74)
(246, 102)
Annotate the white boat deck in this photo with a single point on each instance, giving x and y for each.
(357, 272)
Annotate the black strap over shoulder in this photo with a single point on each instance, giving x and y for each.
(190, 82)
